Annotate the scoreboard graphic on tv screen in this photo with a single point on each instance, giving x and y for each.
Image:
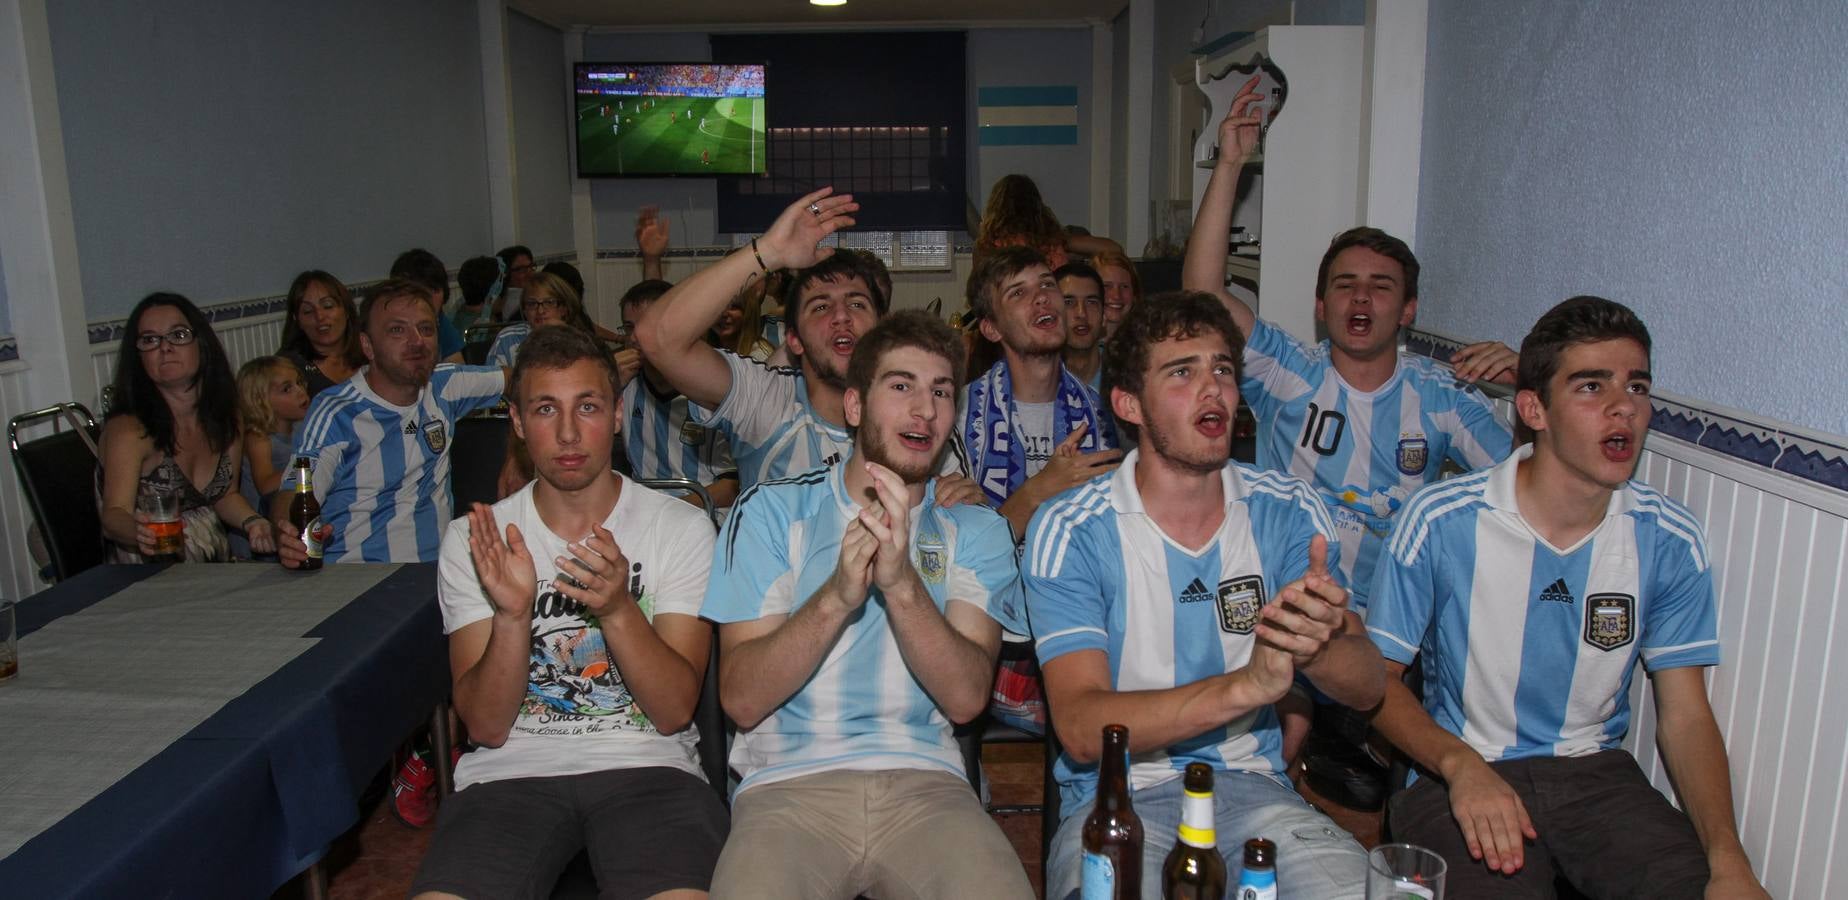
(669, 119)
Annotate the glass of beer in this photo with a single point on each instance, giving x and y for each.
(163, 511)
(9, 640)
(1404, 872)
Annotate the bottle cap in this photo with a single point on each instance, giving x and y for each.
(1260, 852)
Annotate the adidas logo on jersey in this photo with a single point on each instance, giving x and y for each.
(1195, 592)
(1557, 592)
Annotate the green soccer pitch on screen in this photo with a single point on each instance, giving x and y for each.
(654, 119)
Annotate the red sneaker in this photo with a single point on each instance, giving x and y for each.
(413, 793)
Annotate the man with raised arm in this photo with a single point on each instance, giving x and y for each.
(778, 421)
(577, 654)
(1180, 596)
(857, 620)
(1532, 590)
(1362, 422)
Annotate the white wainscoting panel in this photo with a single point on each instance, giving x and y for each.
(18, 576)
(1778, 546)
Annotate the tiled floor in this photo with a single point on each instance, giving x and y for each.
(378, 858)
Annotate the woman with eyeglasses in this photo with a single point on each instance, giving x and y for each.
(319, 335)
(547, 300)
(174, 431)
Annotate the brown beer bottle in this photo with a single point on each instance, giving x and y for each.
(1112, 834)
(1193, 869)
(305, 513)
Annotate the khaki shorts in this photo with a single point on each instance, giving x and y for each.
(890, 835)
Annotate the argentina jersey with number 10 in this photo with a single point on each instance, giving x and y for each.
(1365, 452)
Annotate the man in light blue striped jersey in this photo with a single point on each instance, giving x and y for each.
(858, 620)
(660, 438)
(1180, 596)
(380, 440)
(1531, 590)
(1364, 423)
(778, 421)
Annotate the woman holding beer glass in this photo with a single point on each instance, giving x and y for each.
(170, 445)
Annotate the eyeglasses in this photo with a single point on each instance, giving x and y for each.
(178, 337)
(537, 305)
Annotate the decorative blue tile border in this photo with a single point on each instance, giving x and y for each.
(111, 331)
(1820, 459)
(960, 244)
(9, 348)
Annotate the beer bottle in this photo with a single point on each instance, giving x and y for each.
(1259, 879)
(305, 512)
(1112, 834)
(1193, 869)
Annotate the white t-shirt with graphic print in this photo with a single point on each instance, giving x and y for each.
(578, 716)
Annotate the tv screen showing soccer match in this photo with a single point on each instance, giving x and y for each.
(652, 119)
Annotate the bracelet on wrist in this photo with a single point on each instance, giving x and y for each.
(760, 257)
(245, 525)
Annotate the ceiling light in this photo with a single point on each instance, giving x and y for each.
(828, 2)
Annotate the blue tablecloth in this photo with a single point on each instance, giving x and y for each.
(254, 794)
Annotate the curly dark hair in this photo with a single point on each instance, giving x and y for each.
(840, 264)
(136, 395)
(1176, 314)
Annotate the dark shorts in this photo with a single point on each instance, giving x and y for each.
(1602, 827)
(646, 831)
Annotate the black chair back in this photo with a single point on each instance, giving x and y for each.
(475, 461)
(57, 473)
(478, 339)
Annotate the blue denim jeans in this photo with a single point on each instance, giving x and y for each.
(1316, 860)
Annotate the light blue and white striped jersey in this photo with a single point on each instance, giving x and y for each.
(1101, 575)
(506, 346)
(662, 442)
(1365, 451)
(381, 471)
(773, 431)
(862, 708)
(770, 328)
(1528, 650)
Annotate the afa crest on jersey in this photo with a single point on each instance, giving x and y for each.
(1414, 452)
(1610, 620)
(931, 563)
(1239, 602)
(436, 434)
(692, 433)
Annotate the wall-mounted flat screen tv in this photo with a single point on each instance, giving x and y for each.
(655, 119)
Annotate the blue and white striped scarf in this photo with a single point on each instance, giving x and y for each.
(1000, 462)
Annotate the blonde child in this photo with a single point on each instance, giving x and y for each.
(272, 398)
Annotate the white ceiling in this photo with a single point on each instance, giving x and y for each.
(728, 14)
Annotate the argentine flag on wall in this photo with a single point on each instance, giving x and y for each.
(1027, 116)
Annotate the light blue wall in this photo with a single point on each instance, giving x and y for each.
(216, 148)
(1037, 57)
(1686, 160)
(541, 129)
(6, 319)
